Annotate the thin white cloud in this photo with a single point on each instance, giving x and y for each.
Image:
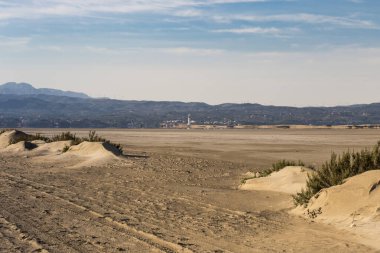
(179, 8)
(271, 31)
(189, 13)
(300, 18)
(193, 51)
(38, 9)
(251, 30)
(182, 51)
(13, 42)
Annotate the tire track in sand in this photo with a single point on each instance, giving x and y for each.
(145, 237)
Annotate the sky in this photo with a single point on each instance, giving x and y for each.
(272, 52)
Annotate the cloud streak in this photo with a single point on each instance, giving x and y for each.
(38, 9)
(259, 30)
(177, 8)
(300, 18)
(14, 42)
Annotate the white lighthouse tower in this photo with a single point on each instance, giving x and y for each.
(188, 121)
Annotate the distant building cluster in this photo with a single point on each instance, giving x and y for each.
(173, 124)
(189, 123)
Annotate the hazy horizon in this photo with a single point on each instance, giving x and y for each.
(78, 91)
(271, 52)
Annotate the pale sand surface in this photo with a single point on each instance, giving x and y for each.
(176, 192)
(353, 206)
(291, 179)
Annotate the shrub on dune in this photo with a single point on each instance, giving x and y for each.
(279, 165)
(64, 136)
(339, 168)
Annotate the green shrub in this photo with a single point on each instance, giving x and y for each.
(66, 136)
(279, 166)
(65, 149)
(283, 163)
(92, 137)
(339, 168)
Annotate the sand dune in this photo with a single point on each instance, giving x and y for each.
(21, 146)
(84, 154)
(10, 136)
(94, 149)
(290, 180)
(53, 148)
(354, 205)
(91, 153)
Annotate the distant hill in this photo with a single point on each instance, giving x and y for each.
(41, 110)
(27, 89)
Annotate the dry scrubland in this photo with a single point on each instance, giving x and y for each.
(174, 191)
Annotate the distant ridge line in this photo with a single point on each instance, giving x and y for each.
(27, 89)
(50, 108)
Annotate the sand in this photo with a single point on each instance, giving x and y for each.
(82, 155)
(91, 154)
(354, 206)
(175, 192)
(93, 149)
(289, 180)
(48, 149)
(20, 147)
(10, 136)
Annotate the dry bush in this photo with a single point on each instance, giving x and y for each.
(339, 168)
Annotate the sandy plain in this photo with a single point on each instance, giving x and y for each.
(176, 191)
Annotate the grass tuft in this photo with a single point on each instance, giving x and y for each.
(279, 165)
(336, 170)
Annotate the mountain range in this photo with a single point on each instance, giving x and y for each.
(28, 89)
(21, 105)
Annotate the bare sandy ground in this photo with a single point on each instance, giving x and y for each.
(177, 191)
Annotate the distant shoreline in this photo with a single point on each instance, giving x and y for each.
(210, 127)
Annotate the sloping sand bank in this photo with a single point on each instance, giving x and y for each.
(84, 154)
(11, 136)
(53, 148)
(290, 180)
(21, 146)
(354, 206)
(91, 153)
(94, 149)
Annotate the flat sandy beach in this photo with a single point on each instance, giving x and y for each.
(177, 191)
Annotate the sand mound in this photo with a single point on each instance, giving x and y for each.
(354, 205)
(53, 148)
(91, 154)
(94, 149)
(11, 136)
(38, 142)
(290, 180)
(20, 147)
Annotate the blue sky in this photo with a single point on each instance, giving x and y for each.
(288, 52)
